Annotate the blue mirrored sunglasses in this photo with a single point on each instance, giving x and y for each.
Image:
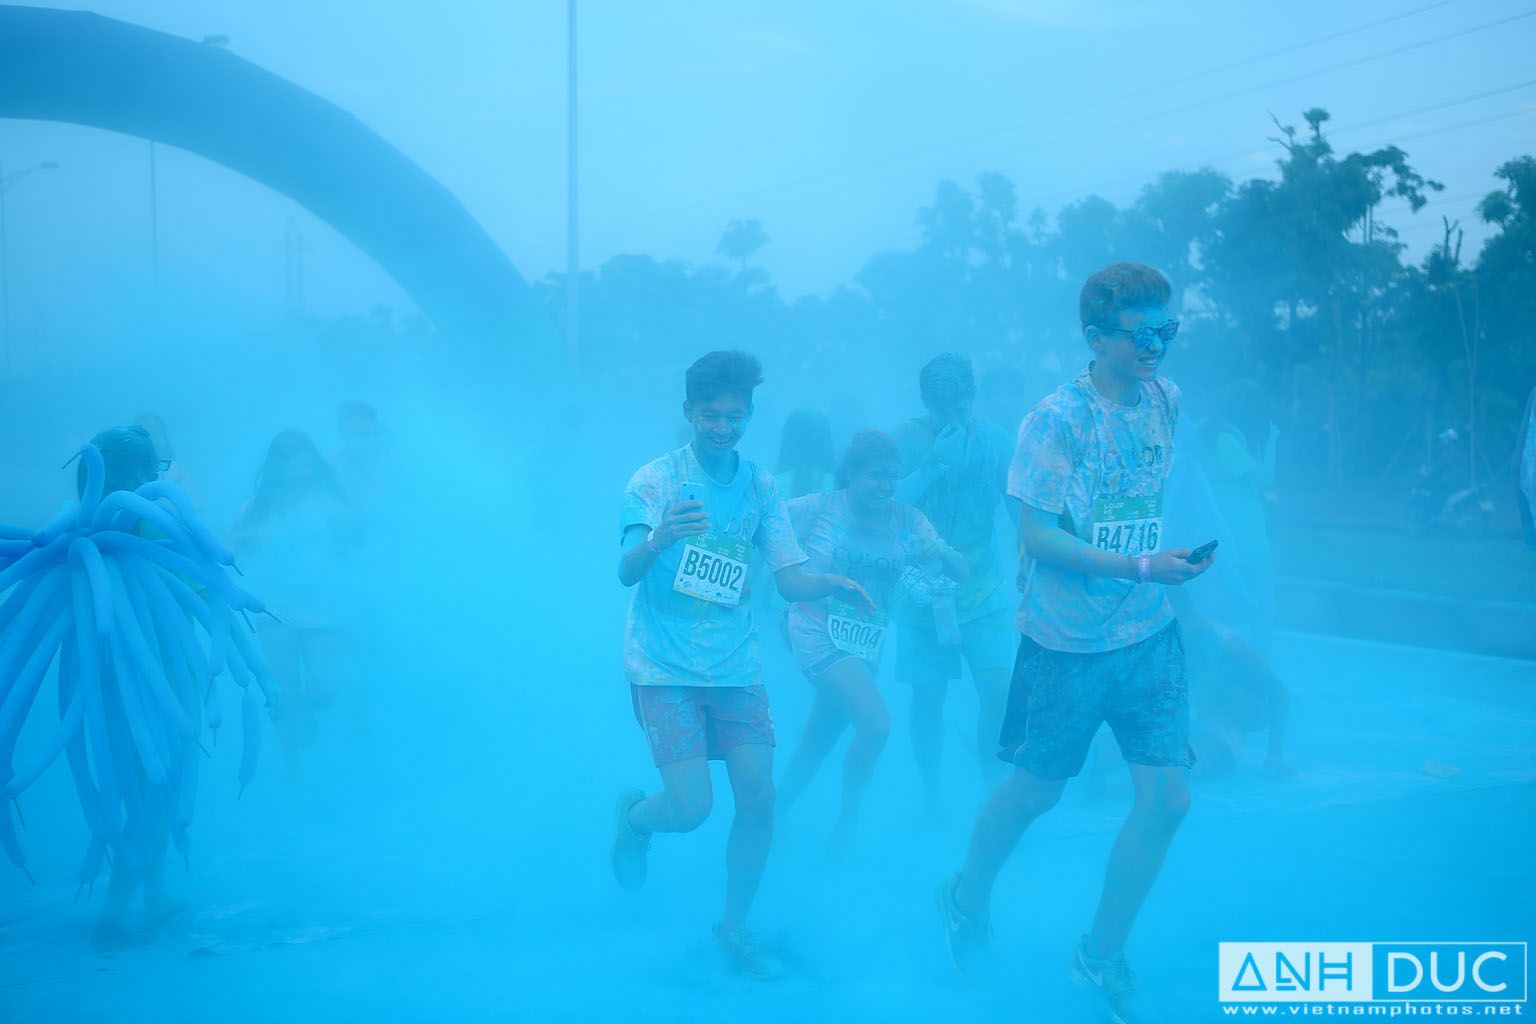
(1144, 336)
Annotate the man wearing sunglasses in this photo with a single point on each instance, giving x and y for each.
(1100, 642)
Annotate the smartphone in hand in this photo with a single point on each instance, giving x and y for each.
(691, 492)
(1202, 552)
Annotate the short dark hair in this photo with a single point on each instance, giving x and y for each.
(1118, 287)
(722, 373)
(129, 457)
(868, 448)
(947, 376)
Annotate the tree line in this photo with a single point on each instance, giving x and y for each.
(1295, 282)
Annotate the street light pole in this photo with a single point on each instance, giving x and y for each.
(154, 227)
(572, 244)
(5, 268)
(5, 288)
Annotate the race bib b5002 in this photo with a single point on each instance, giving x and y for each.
(713, 569)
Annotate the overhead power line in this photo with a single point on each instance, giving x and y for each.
(1333, 132)
(714, 203)
(1086, 190)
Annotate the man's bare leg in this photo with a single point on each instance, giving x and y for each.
(823, 726)
(1162, 801)
(1007, 813)
(927, 732)
(750, 767)
(991, 701)
(681, 805)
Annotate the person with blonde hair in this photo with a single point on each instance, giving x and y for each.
(1100, 641)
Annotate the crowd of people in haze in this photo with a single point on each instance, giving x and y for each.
(1044, 558)
(896, 542)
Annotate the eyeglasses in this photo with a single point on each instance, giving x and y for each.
(710, 419)
(150, 475)
(1144, 336)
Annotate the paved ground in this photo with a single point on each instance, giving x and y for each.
(457, 871)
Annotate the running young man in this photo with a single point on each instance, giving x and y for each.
(1100, 640)
(692, 521)
(860, 531)
(955, 469)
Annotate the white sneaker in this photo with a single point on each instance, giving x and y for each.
(631, 849)
(746, 953)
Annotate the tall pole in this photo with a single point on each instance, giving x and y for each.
(572, 249)
(5, 289)
(6, 185)
(154, 227)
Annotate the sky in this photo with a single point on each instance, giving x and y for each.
(829, 123)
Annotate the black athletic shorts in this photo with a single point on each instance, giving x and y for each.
(1058, 700)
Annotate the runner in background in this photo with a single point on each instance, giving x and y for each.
(366, 462)
(693, 523)
(1233, 693)
(954, 470)
(296, 539)
(1228, 620)
(807, 464)
(1100, 641)
(1237, 454)
(861, 532)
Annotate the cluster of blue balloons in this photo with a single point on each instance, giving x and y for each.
(129, 595)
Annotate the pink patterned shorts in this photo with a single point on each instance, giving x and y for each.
(683, 722)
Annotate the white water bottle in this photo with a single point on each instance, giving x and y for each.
(946, 613)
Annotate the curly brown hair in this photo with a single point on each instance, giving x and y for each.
(1118, 287)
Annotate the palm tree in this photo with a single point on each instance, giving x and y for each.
(742, 238)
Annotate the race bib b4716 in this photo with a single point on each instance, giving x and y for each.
(713, 569)
(1128, 526)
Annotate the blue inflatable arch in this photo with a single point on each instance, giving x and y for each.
(81, 68)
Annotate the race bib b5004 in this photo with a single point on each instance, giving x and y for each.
(853, 633)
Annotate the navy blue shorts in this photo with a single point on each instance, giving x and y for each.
(1058, 700)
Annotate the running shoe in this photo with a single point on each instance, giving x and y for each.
(630, 848)
(747, 955)
(966, 936)
(1111, 977)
